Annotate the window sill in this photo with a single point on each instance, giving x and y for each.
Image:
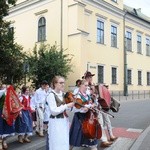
(115, 47)
(139, 53)
(101, 43)
(41, 41)
(114, 84)
(130, 51)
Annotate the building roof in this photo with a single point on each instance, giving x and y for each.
(137, 13)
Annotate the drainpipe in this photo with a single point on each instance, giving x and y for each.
(88, 66)
(61, 26)
(125, 57)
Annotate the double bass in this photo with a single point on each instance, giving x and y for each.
(91, 128)
(104, 97)
(105, 100)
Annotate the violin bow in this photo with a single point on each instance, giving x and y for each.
(93, 109)
(104, 112)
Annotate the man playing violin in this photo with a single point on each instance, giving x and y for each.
(88, 76)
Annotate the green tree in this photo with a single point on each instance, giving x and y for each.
(46, 62)
(11, 55)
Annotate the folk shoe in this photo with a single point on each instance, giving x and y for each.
(1, 145)
(113, 138)
(37, 133)
(5, 146)
(20, 139)
(106, 144)
(41, 134)
(27, 140)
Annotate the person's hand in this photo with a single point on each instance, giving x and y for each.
(20, 114)
(69, 105)
(93, 105)
(94, 96)
(41, 108)
(90, 102)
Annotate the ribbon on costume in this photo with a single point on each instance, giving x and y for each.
(12, 106)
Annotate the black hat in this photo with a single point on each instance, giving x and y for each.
(44, 82)
(78, 82)
(106, 85)
(88, 74)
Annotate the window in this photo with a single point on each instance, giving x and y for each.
(100, 74)
(148, 78)
(139, 77)
(113, 36)
(11, 30)
(129, 73)
(41, 29)
(128, 41)
(114, 1)
(114, 75)
(147, 47)
(139, 44)
(100, 32)
(11, 33)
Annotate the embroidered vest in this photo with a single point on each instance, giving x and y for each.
(26, 103)
(58, 103)
(84, 99)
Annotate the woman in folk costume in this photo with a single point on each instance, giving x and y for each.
(58, 127)
(5, 129)
(23, 124)
(9, 109)
(77, 138)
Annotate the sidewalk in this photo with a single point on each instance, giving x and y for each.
(122, 143)
(37, 143)
(143, 142)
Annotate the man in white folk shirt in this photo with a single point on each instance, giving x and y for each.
(40, 97)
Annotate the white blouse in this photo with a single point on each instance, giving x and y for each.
(54, 110)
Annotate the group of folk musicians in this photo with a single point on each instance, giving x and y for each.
(90, 121)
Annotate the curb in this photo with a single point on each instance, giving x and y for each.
(140, 139)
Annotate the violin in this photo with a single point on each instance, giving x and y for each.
(90, 126)
(69, 97)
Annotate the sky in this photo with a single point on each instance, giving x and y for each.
(143, 4)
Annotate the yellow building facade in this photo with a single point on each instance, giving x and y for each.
(93, 31)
